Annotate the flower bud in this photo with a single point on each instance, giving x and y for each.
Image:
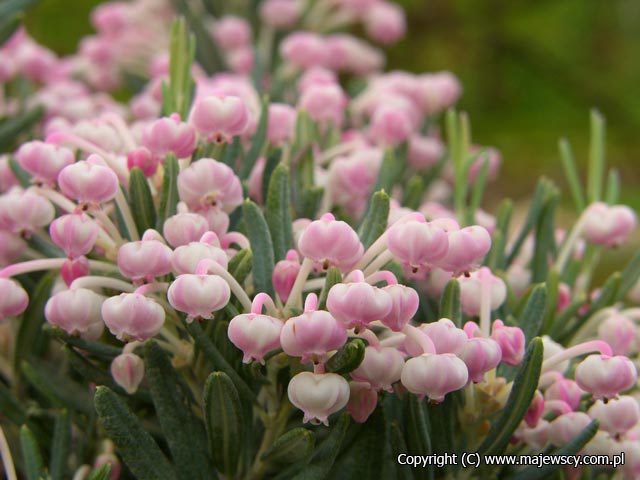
(11, 247)
(198, 295)
(284, 275)
(231, 32)
(381, 367)
(362, 401)
(88, 181)
(132, 316)
(184, 228)
(417, 244)
(619, 332)
(608, 225)
(76, 311)
(255, 335)
(404, 305)
(439, 91)
(127, 369)
(618, 415)
(424, 152)
(385, 22)
(282, 119)
(318, 395)
(207, 183)
(14, 299)
(220, 118)
(391, 125)
(144, 259)
(358, 304)
(471, 291)
(170, 135)
(304, 50)
(7, 177)
(605, 377)
(74, 268)
(24, 211)
(280, 13)
(434, 375)
(185, 259)
(44, 160)
(325, 104)
(566, 427)
(143, 159)
(511, 341)
(467, 247)
(565, 390)
(74, 233)
(331, 242)
(312, 335)
(481, 355)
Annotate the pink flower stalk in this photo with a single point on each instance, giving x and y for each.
(480, 355)
(282, 119)
(357, 304)
(325, 104)
(417, 244)
(89, 181)
(567, 427)
(75, 234)
(280, 13)
(76, 312)
(604, 376)
(618, 415)
(467, 247)
(184, 228)
(132, 316)
(44, 160)
(404, 305)
(511, 341)
(14, 299)
(619, 332)
(220, 118)
(608, 225)
(565, 390)
(318, 395)
(331, 242)
(471, 289)
(231, 32)
(170, 135)
(434, 375)
(198, 295)
(304, 50)
(24, 211)
(144, 259)
(209, 184)
(285, 273)
(385, 22)
(424, 152)
(362, 401)
(381, 367)
(127, 369)
(74, 268)
(143, 159)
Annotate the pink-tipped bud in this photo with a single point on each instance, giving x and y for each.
(471, 291)
(304, 50)
(76, 312)
(231, 32)
(535, 410)
(14, 299)
(618, 415)
(391, 125)
(44, 160)
(170, 135)
(185, 259)
(280, 13)
(417, 244)
(511, 341)
(358, 304)
(434, 375)
(75, 234)
(362, 401)
(331, 242)
(144, 259)
(220, 118)
(198, 295)
(109, 458)
(89, 181)
(284, 274)
(184, 228)
(132, 316)
(255, 335)
(381, 367)
(565, 390)
(567, 427)
(605, 377)
(467, 247)
(325, 104)
(424, 152)
(312, 335)
(209, 184)
(608, 225)
(619, 332)
(481, 355)
(318, 395)
(74, 268)
(446, 337)
(143, 159)
(385, 22)
(24, 211)
(127, 369)
(404, 305)
(282, 119)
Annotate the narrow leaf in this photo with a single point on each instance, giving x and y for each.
(532, 316)
(33, 464)
(169, 197)
(11, 129)
(60, 446)
(368, 448)
(258, 141)
(240, 265)
(416, 427)
(571, 172)
(347, 358)
(629, 276)
(261, 246)
(141, 201)
(102, 473)
(278, 212)
(596, 157)
(375, 222)
(450, 306)
(291, 447)
(333, 277)
(613, 187)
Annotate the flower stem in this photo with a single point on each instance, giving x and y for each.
(236, 288)
(102, 282)
(295, 297)
(384, 258)
(7, 459)
(586, 347)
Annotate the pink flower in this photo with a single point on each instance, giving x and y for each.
(608, 225)
(417, 244)
(404, 305)
(567, 427)
(170, 135)
(471, 288)
(144, 259)
(318, 395)
(184, 228)
(198, 295)
(255, 334)
(14, 299)
(282, 119)
(434, 375)
(280, 13)
(127, 369)
(89, 181)
(618, 415)
(605, 377)
(207, 183)
(24, 211)
(312, 335)
(44, 160)
(385, 22)
(325, 104)
(220, 118)
(75, 234)
(357, 304)
(285, 273)
(481, 355)
(304, 49)
(231, 32)
(362, 401)
(511, 341)
(381, 368)
(132, 316)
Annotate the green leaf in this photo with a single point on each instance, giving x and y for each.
(8, 26)
(532, 316)
(450, 306)
(135, 446)
(13, 127)
(240, 265)
(173, 402)
(595, 177)
(141, 201)
(60, 446)
(608, 294)
(224, 422)
(23, 177)
(261, 246)
(231, 153)
(398, 446)
(169, 196)
(571, 448)
(613, 187)
(101, 473)
(273, 160)
(368, 448)
(388, 172)
(545, 244)
(477, 190)
(11, 407)
(416, 427)
(96, 349)
(278, 211)
(629, 276)
(375, 222)
(347, 358)
(332, 278)
(311, 198)
(258, 141)
(33, 464)
(326, 453)
(14, 7)
(571, 172)
(414, 192)
(293, 446)
(218, 361)
(522, 391)
(181, 85)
